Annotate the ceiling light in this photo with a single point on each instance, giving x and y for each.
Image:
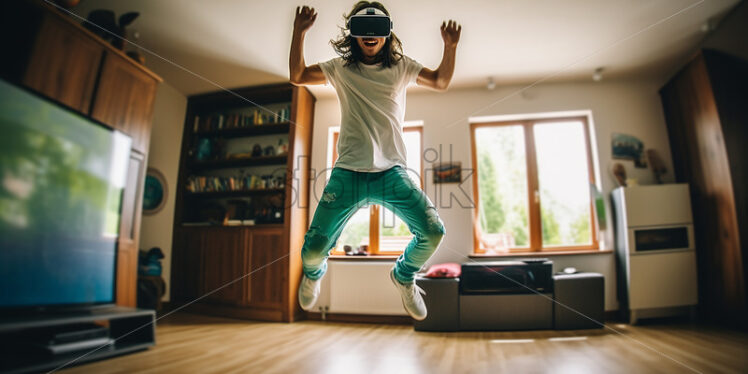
(597, 76)
(707, 26)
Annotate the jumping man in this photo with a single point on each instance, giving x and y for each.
(370, 77)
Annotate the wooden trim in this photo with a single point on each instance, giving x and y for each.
(533, 189)
(335, 136)
(241, 312)
(534, 212)
(343, 257)
(374, 212)
(613, 316)
(542, 253)
(476, 204)
(593, 182)
(361, 318)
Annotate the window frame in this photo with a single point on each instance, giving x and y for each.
(374, 209)
(533, 192)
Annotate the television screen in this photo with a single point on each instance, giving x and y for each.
(61, 182)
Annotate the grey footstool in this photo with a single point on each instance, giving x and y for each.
(442, 302)
(582, 292)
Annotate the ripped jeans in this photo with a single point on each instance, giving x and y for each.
(346, 192)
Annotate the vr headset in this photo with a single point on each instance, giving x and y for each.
(373, 23)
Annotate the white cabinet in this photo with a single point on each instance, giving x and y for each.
(655, 250)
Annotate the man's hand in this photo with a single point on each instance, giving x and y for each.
(299, 73)
(305, 17)
(451, 33)
(439, 79)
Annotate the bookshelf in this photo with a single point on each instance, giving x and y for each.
(240, 208)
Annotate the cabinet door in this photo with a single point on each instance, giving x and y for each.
(187, 264)
(124, 99)
(268, 263)
(129, 233)
(64, 63)
(223, 263)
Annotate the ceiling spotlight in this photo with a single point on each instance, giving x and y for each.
(597, 76)
(707, 26)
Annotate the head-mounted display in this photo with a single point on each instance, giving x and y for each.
(370, 23)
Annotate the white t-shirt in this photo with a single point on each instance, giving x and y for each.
(372, 105)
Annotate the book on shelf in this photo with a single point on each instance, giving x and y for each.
(246, 183)
(223, 121)
(231, 222)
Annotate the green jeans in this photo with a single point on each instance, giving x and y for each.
(346, 192)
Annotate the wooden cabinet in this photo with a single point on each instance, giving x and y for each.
(231, 266)
(267, 262)
(64, 64)
(60, 59)
(124, 99)
(187, 284)
(251, 268)
(224, 266)
(706, 114)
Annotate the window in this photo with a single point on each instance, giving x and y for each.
(532, 185)
(376, 226)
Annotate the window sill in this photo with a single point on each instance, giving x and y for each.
(364, 258)
(542, 254)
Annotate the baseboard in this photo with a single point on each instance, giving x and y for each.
(226, 311)
(168, 306)
(613, 316)
(361, 318)
(610, 316)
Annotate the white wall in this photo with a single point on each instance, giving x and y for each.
(166, 141)
(631, 107)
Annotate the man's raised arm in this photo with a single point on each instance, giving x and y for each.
(301, 74)
(439, 79)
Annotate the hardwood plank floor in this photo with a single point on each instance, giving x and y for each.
(189, 343)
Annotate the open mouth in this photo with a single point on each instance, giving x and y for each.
(370, 42)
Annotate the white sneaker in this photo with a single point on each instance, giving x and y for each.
(411, 296)
(308, 292)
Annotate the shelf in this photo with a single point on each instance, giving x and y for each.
(186, 225)
(273, 128)
(238, 162)
(240, 193)
(133, 330)
(24, 364)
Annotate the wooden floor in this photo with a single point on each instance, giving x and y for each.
(197, 344)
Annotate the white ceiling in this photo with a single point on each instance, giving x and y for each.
(233, 43)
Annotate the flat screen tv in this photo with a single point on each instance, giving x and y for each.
(62, 177)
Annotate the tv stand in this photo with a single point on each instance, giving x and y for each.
(132, 329)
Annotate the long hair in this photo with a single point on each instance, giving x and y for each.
(347, 47)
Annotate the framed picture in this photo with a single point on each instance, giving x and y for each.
(626, 147)
(448, 172)
(154, 192)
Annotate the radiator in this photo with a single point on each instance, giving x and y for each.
(358, 287)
